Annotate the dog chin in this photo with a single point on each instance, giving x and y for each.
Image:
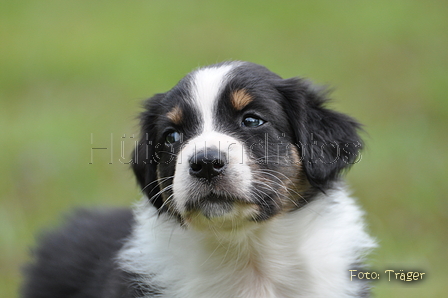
(221, 212)
(212, 209)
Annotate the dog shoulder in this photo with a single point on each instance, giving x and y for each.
(78, 257)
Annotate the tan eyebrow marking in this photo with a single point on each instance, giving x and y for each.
(240, 99)
(175, 115)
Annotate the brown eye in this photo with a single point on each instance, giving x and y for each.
(252, 121)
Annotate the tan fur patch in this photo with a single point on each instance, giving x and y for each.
(240, 99)
(175, 115)
(295, 156)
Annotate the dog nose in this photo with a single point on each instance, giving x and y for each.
(208, 164)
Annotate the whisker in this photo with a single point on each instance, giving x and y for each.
(168, 152)
(167, 200)
(159, 181)
(161, 191)
(282, 185)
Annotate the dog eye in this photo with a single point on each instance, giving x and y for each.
(252, 121)
(172, 137)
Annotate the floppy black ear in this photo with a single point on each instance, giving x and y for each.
(144, 159)
(328, 141)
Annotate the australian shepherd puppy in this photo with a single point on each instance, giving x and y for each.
(241, 175)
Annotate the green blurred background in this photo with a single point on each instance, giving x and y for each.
(73, 69)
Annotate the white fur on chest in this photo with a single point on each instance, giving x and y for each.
(306, 253)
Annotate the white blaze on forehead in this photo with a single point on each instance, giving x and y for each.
(207, 85)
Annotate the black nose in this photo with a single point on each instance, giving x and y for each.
(208, 164)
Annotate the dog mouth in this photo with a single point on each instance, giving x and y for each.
(214, 205)
(211, 205)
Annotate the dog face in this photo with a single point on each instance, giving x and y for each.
(233, 144)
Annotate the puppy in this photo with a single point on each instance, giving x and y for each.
(243, 197)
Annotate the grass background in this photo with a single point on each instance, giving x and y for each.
(70, 69)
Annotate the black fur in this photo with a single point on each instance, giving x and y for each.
(145, 159)
(77, 261)
(328, 141)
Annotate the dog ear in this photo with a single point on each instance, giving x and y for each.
(144, 158)
(328, 141)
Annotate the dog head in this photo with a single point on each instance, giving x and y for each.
(234, 143)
